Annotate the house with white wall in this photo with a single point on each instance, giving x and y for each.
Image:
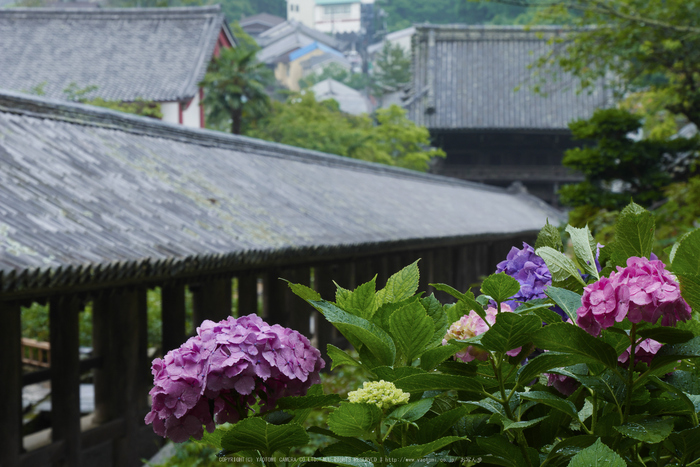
(329, 16)
(122, 54)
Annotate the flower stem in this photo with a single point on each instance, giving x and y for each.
(630, 373)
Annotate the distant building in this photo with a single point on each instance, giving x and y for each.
(257, 24)
(351, 101)
(331, 16)
(401, 38)
(464, 92)
(312, 58)
(127, 54)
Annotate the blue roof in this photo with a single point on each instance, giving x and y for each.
(311, 47)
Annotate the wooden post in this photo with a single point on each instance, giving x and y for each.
(247, 294)
(380, 267)
(274, 292)
(297, 310)
(325, 331)
(363, 272)
(425, 266)
(212, 300)
(65, 376)
(443, 272)
(173, 316)
(122, 382)
(11, 387)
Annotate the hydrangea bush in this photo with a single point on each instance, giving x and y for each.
(561, 360)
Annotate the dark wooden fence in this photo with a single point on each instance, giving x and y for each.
(115, 434)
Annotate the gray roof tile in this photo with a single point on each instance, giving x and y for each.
(156, 54)
(468, 80)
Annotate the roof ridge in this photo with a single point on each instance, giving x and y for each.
(82, 114)
(138, 13)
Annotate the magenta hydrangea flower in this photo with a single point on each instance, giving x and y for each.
(217, 375)
(644, 352)
(472, 325)
(653, 292)
(603, 304)
(529, 270)
(564, 384)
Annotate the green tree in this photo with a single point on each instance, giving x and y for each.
(618, 166)
(334, 71)
(235, 87)
(303, 122)
(392, 68)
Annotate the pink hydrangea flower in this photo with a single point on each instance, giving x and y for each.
(564, 384)
(604, 303)
(644, 352)
(217, 375)
(472, 325)
(653, 293)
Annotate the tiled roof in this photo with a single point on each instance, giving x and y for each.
(310, 48)
(157, 54)
(290, 27)
(92, 194)
(261, 18)
(350, 100)
(465, 77)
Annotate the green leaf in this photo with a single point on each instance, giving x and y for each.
(608, 384)
(598, 454)
(568, 338)
(672, 353)
(466, 302)
(510, 331)
(354, 420)
(690, 289)
(566, 299)
(567, 448)
(307, 402)
(634, 234)
(401, 285)
(410, 454)
(436, 427)
(394, 374)
(501, 450)
(438, 382)
(548, 361)
(303, 291)
(674, 248)
(665, 335)
(500, 286)
(686, 260)
(412, 411)
(357, 444)
(433, 357)
(560, 266)
(651, 430)
(340, 357)
(345, 461)
(412, 329)
(685, 398)
(455, 311)
(359, 332)
(362, 301)
(256, 433)
(542, 311)
(508, 424)
(436, 312)
(549, 236)
(584, 249)
(688, 443)
(551, 400)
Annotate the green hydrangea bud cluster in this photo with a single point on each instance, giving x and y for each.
(381, 393)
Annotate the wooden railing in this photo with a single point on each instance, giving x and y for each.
(36, 353)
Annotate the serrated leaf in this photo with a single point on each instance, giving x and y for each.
(307, 402)
(549, 236)
(688, 443)
(510, 331)
(465, 302)
(608, 385)
(508, 424)
(674, 248)
(597, 455)
(619, 341)
(357, 444)
(567, 300)
(551, 400)
(560, 266)
(359, 332)
(686, 260)
(412, 329)
(412, 411)
(542, 311)
(672, 353)
(584, 249)
(568, 338)
(501, 449)
(438, 382)
(354, 420)
(340, 357)
(651, 430)
(433, 357)
(634, 234)
(436, 312)
(401, 285)
(690, 290)
(410, 454)
(569, 447)
(362, 301)
(500, 286)
(665, 335)
(303, 291)
(455, 311)
(548, 361)
(685, 398)
(256, 433)
(436, 427)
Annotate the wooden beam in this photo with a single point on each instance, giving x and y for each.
(122, 384)
(212, 299)
(247, 294)
(11, 387)
(173, 316)
(65, 376)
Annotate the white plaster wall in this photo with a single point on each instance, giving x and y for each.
(191, 116)
(171, 111)
(305, 15)
(338, 23)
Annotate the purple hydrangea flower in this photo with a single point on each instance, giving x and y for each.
(564, 384)
(528, 269)
(644, 352)
(217, 375)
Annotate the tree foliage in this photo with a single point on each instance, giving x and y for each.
(334, 71)
(392, 68)
(303, 122)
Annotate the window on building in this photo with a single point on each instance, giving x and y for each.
(336, 10)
